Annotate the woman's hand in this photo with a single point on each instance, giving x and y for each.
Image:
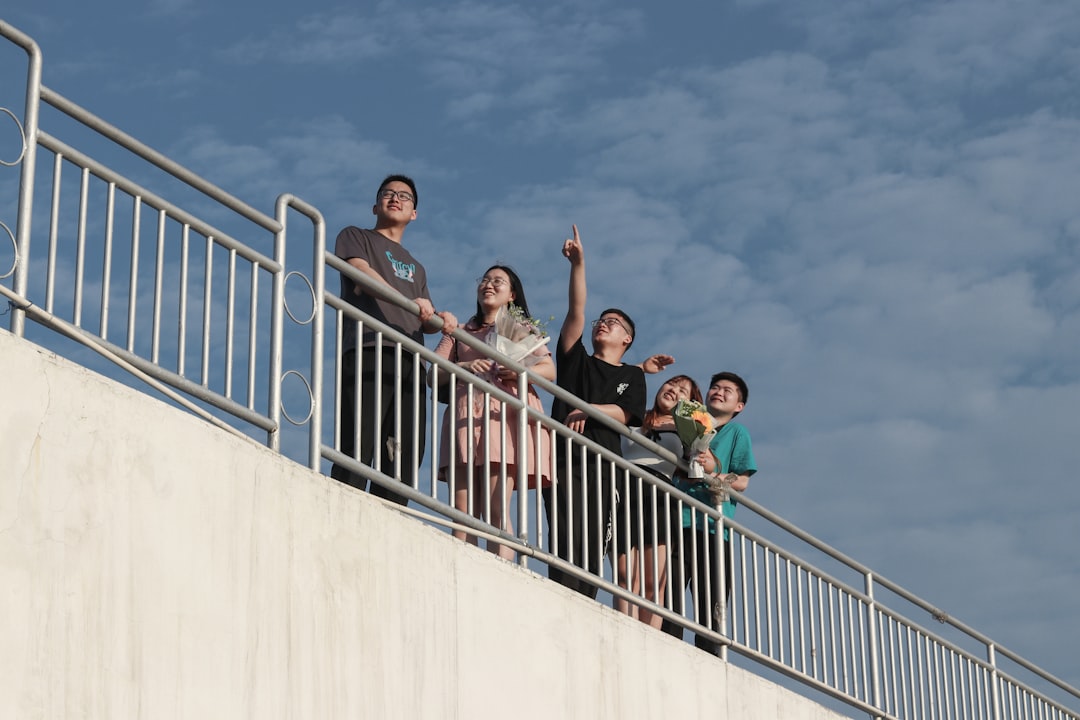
(479, 366)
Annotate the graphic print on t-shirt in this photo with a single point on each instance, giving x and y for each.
(622, 387)
(405, 271)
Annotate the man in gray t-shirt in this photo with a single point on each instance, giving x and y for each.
(379, 254)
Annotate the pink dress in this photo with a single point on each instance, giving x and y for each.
(488, 436)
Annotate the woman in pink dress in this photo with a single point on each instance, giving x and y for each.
(480, 452)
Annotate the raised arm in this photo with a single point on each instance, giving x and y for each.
(656, 363)
(574, 324)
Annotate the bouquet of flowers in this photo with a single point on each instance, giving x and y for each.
(516, 335)
(695, 428)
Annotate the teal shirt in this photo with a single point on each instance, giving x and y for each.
(731, 447)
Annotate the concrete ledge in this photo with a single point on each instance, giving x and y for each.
(152, 566)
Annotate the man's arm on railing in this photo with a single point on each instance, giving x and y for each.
(425, 310)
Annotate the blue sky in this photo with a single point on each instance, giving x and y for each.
(864, 208)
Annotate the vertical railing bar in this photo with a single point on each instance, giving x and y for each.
(159, 263)
(848, 634)
(871, 641)
(133, 282)
(376, 431)
(470, 450)
(653, 541)
(940, 702)
(743, 590)
(904, 641)
(695, 576)
(678, 570)
(436, 439)
(817, 629)
(414, 470)
(768, 604)
(959, 690)
(537, 496)
(805, 593)
(586, 540)
(994, 680)
(923, 684)
(253, 326)
(452, 465)
(934, 691)
(208, 289)
(980, 701)
(276, 350)
(399, 376)
(606, 550)
(318, 356)
(54, 230)
(486, 453)
(523, 458)
(106, 262)
(181, 324)
(778, 608)
(80, 247)
(790, 611)
(230, 321)
(836, 649)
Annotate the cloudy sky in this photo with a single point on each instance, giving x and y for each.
(865, 208)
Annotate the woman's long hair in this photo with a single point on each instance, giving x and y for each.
(516, 290)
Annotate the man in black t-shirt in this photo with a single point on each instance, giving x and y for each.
(379, 254)
(578, 505)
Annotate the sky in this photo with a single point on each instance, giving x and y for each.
(866, 209)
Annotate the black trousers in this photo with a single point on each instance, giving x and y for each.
(578, 510)
(696, 555)
(395, 442)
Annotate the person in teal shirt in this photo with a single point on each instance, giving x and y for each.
(730, 459)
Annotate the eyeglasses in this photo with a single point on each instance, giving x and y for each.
(496, 282)
(610, 322)
(402, 195)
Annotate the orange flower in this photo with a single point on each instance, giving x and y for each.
(702, 418)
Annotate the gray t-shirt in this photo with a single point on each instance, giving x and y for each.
(394, 264)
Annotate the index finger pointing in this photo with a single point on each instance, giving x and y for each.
(577, 238)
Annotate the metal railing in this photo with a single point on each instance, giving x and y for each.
(188, 307)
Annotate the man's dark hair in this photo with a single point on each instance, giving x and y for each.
(624, 316)
(401, 179)
(744, 392)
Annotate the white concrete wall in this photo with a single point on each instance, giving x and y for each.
(152, 566)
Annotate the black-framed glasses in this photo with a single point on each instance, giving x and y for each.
(610, 322)
(403, 195)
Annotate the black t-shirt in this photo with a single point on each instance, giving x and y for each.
(599, 383)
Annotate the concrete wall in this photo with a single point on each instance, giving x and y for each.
(152, 566)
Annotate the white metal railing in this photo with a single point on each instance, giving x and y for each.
(186, 306)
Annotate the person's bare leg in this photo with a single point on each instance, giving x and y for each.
(461, 502)
(628, 579)
(651, 588)
(500, 515)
